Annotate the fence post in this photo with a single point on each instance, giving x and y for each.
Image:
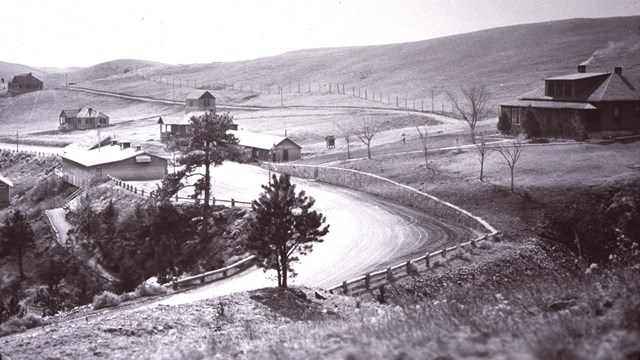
(365, 94)
(142, 192)
(367, 281)
(473, 243)
(408, 266)
(224, 273)
(444, 252)
(345, 290)
(233, 202)
(389, 274)
(427, 260)
(202, 280)
(176, 197)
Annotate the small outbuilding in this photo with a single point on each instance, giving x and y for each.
(120, 160)
(200, 100)
(24, 83)
(266, 147)
(5, 191)
(331, 141)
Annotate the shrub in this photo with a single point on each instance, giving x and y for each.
(106, 299)
(19, 324)
(504, 124)
(128, 296)
(150, 290)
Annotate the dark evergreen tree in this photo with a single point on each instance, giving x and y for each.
(531, 125)
(17, 236)
(504, 124)
(283, 227)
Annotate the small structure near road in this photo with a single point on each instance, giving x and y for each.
(200, 100)
(120, 160)
(5, 191)
(266, 147)
(24, 83)
(82, 119)
(331, 141)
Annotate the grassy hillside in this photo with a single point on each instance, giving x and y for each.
(511, 60)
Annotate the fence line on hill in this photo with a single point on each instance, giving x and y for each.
(214, 275)
(427, 104)
(139, 191)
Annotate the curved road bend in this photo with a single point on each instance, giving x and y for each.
(367, 233)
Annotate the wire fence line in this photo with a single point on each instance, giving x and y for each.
(393, 100)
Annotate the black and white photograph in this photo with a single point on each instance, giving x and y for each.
(307, 179)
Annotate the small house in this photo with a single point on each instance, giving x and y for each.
(603, 102)
(82, 119)
(5, 191)
(200, 100)
(120, 159)
(265, 147)
(24, 83)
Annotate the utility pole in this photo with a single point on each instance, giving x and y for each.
(17, 141)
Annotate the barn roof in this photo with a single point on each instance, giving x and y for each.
(182, 120)
(259, 141)
(199, 94)
(104, 155)
(26, 79)
(577, 76)
(6, 181)
(70, 113)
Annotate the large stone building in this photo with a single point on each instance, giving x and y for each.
(604, 102)
(119, 159)
(24, 83)
(82, 119)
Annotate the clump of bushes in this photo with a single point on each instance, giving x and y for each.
(21, 323)
(106, 299)
(150, 290)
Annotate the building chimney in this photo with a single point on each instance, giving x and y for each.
(114, 142)
(618, 70)
(137, 147)
(582, 68)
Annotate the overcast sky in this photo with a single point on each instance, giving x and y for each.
(65, 33)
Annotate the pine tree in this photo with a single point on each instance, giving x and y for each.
(531, 125)
(504, 124)
(17, 236)
(283, 227)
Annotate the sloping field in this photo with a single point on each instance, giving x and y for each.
(39, 111)
(510, 60)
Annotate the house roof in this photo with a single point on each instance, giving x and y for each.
(26, 79)
(550, 104)
(259, 141)
(576, 76)
(88, 112)
(6, 181)
(199, 94)
(612, 87)
(70, 113)
(104, 155)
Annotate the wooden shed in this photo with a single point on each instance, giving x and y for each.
(120, 160)
(266, 147)
(5, 191)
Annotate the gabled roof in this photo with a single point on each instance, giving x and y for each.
(26, 79)
(104, 155)
(259, 141)
(70, 113)
(6, 181)
(200, 94)
(90, 113)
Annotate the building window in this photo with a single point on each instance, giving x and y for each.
(206, 102)
(616, 113)
(190, 102)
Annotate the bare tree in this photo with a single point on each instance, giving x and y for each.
(483, 151)
(423, 126)
(473, 105)
(511, 154)
(365, 130)
(346, 131)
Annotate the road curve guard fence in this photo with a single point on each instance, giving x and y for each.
(215, 275)
(142, 192)
(376, 279)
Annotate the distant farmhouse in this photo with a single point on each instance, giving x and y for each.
(263, 147)
(82, 119)
(24, 83)
(602, 102)
(119, 159)
(5, 191)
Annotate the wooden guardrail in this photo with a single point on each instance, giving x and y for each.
(176, 198)
(214, 275)
(376, 279)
